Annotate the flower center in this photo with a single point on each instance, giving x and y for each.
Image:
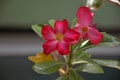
(85, 29)
(59, 36)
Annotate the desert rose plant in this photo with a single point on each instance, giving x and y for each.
(65, 47)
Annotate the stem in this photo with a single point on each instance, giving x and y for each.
(57, 58)
(69, 65)
(116, 2)
(69, 61)
(65, 58)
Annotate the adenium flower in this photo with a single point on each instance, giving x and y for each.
(59, 38)
(85, 27)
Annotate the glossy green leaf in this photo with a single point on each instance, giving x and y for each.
(108, 63)
(76, 46)
(79, 45)
(81, 55)
(47, 67)
(85, 42)
(90, 68)
(109, 40)
(74, 76)
(79, 61)
(37, 29)
(74, 22)
(51, 22)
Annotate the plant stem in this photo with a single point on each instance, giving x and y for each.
(116, 2)
(69, 65)
(57, 58)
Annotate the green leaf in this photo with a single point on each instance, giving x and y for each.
(90, 68)
(108, 63)
(47, 67)
(85, 42)
(74, 76)
(51, 22)
(74, 22)
(109, 40)
(79, 61)
(37, 29)
(81, 55)
(79, 45)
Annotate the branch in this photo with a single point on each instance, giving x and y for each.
(116, 2)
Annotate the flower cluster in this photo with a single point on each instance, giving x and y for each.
(60, 37)
(66, 46)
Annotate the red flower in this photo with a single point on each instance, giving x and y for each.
(59, 38)
(84, 27)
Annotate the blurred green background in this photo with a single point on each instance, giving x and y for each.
(23, 13)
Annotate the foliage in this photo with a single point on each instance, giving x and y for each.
(65, 49)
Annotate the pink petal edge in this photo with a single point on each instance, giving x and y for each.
(48, 33)
(49, 46)
(71, 36)
(84, 16)
(94, 36)
(61, 26)
(63, 48)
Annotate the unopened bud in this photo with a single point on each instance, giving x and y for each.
(94, 4)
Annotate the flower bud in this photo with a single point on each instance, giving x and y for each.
(94, 4)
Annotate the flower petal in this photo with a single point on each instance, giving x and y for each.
(94, 25)
(94, 36)
(71, 36)
(63, 48)
(78, 28)
(48, 33)
(84, 16)
(61, 26)
(49, 46)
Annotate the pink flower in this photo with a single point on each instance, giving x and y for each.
(59, 38)
(85, 28)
